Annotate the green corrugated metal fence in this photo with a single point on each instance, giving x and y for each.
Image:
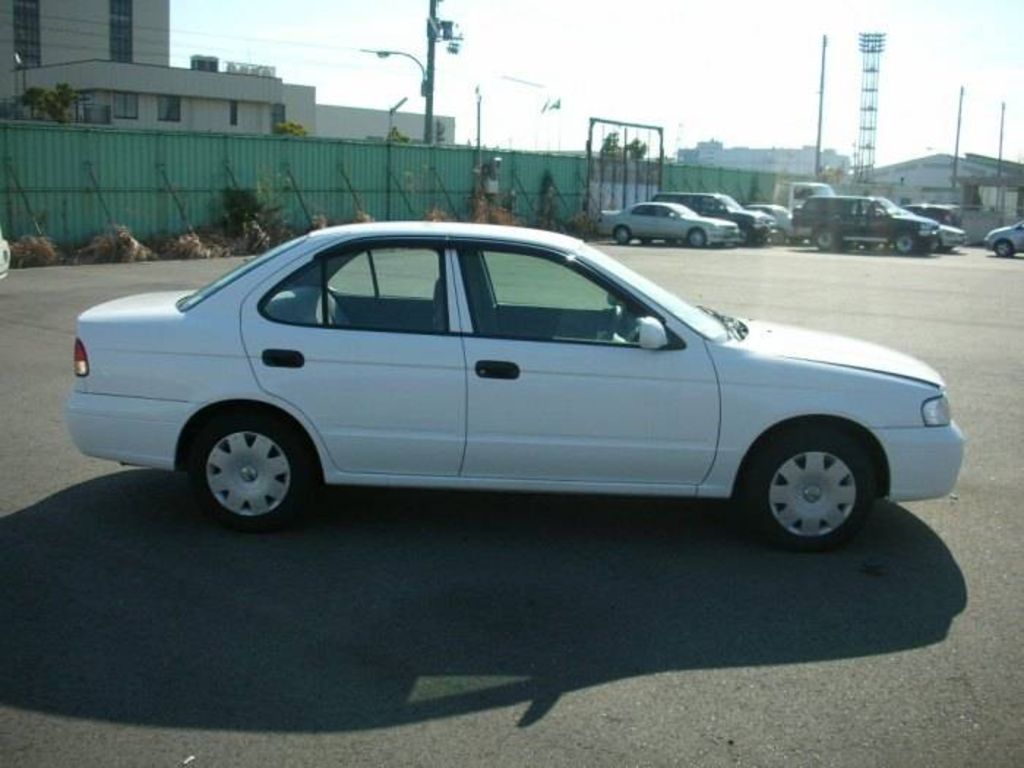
(73, 181)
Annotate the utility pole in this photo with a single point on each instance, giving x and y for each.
(432, 25)
(821, 106)
(479, 152)
(956, 147)
(1000, 191)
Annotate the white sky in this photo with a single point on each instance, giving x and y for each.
(745, 73)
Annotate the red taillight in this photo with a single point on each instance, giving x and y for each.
(81, 359)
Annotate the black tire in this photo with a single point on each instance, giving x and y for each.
(696, 238)
(1004, 248)
(264, 463)
(906, 244)
(622, 235)
(826, 240)
(809, 489)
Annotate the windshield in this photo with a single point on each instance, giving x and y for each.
(891, 207)
(242, 269)
(730, 204)
(682, 210)
(700, 321)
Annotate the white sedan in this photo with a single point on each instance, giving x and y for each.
(670, 222)
(467, 356)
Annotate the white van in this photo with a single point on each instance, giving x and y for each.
(798, 191)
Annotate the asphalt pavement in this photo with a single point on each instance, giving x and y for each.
(432, 628)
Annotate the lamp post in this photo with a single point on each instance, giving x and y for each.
(425, 89)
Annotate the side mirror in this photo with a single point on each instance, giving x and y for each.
(652, 333)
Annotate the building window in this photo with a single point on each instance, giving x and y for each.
(120, 30)
(26, 32)
(233, 118)
(168, 109)
(277, 115)
(126, 106)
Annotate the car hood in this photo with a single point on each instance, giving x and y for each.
(919, 220)
(815, 346)
(143, 306)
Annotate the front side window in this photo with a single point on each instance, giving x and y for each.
(399, 289)
(541, 298)
(168, 109)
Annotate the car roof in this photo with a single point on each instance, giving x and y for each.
(449, 229)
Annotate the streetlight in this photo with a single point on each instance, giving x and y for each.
(424, 84)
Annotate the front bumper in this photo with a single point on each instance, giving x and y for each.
(131, 430)
(924, 462)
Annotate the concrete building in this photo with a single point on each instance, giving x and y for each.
(796, 162)
(980, 181)
(115, 53)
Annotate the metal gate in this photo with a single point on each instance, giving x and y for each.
(621, 167)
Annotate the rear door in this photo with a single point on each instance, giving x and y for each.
(358, 340)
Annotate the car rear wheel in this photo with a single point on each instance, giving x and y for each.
(809, 489)
(251, 471)
(826, 240)
(696, 238)
(622, 235)
(1004, 248)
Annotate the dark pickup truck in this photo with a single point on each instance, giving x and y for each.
(836, 223)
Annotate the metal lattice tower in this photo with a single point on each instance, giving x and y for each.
(871, 46)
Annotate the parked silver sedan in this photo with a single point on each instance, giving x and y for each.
(1006, 241)
(670, 222)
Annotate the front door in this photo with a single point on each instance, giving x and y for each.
(359, 341)
(559, 389)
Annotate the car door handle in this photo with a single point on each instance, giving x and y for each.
(496, 369)
(283, 358)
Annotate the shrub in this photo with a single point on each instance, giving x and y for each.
(117, 246)
(582, 226)
(32, 251)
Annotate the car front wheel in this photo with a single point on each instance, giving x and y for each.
(906, 244)
(809, 489)
(1004, 248)
(696, 238)
(622, 235)
(251, 471)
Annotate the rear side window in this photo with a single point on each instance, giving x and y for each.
(398, 289)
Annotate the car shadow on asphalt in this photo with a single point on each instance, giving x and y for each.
(122, 604)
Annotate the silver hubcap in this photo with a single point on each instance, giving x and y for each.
(248, 474)
(812, 494)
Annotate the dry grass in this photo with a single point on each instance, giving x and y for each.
(32, 251)
(117, 247)
(490, 211)
(362, 217)
(582, 226)
(318, 221)
(437, 214)
(191, 246)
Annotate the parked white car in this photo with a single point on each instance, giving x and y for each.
(5, 256)
(466, 356)
(1006, 241)
(670, 222)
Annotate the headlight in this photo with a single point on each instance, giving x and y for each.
(926, 230)
(935, 412)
